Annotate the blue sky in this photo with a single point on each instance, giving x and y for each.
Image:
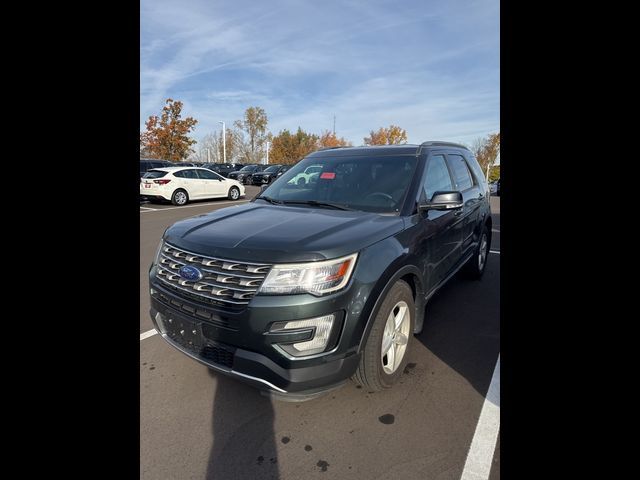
(431, 67)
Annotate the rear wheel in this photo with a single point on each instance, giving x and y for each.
(234, 193)
(301, 181)
(179, 197)
(385, 354)
(477, 264)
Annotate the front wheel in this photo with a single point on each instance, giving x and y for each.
(385, 354)
(234, 193)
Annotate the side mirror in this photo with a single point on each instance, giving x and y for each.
(443, 201)
(263, 188)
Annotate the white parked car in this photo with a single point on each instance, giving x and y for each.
(304, 177)
(181, 184)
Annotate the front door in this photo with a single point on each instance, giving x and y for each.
(212, 184)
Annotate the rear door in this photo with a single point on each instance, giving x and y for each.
(440, 232)
(212, 184)
(472, 193)
(188, 179)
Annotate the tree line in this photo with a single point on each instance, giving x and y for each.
(167, 137)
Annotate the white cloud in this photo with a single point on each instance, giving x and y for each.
(432, 68)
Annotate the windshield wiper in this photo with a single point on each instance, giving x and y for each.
(273, 201)
(315, 203)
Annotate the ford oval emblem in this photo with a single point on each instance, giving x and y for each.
(189, 272)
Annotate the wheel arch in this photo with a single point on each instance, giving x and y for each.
(412, 276)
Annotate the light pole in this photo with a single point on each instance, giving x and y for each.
(224, 143)
(208, 155)
(267, 153)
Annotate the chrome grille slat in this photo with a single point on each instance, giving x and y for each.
(225, 280)
(257, 276)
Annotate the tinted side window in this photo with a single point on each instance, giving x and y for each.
(437, 177)
(186, 174)
(206, 174)
(460, 172)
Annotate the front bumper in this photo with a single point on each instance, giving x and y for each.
(234, 342)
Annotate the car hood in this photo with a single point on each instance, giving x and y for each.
(280, 234)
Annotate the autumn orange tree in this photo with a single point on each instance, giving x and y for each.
(288, 148)
(393, 135)
(486, 150)
(167, 136)
(329, 139)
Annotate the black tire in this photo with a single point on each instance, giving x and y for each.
(180, 197)
(371, 373)
(301, 182)
(474, 268)
(234, 193)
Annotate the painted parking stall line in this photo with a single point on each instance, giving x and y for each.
(147, 334)
(483, 445)
(497, 252)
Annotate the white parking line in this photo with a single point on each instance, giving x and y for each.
(148, 334)
(147, 208)
(483, 445)
(191, 206)
(495, 251)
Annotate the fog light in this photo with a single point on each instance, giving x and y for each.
(321, 327)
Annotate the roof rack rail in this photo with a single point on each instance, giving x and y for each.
(331, 148)
(443, 144)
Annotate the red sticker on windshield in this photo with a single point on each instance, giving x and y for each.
(328, 175)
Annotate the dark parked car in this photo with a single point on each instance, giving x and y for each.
(147, 164)
(311, 284)
(224, 169)
(244, 174)
(269, 174)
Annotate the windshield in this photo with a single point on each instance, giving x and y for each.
(373, 184)
(271, 169)
(248, 168)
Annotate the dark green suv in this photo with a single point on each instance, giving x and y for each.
(313, 283)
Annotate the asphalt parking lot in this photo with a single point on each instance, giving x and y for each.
(196, 424)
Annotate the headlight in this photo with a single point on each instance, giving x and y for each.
(317, 278)
(240, 177)
(156, 257)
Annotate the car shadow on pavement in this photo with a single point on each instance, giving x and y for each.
(462, 325)
(243, 435)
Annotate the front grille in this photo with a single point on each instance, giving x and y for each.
(194, 312)
(225, 281)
